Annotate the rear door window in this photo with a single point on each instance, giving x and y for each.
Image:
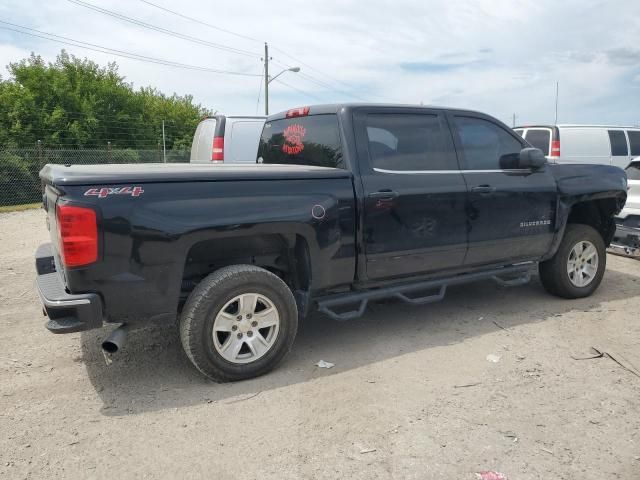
(618, 143)
(245, 135)
(312, 140)
(539, 138)
(409, 142)
(634, 142)
(580, 144)
(485, 145)
(519, 131)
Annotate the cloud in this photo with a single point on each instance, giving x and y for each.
(498, 56)
(434, 67)
(624, 56)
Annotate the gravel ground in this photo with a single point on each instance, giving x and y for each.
(412, 394)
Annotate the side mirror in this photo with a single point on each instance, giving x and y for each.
(532, 158)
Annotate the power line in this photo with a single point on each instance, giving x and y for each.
(172, 33)
(186, 17)
(320, 83)
(309, 77)
(118, 53)
(100, 121)
(310, 67)
(298, 90)
(259, 90)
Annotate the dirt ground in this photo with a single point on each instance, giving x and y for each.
(412, 394)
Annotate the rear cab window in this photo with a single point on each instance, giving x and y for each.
(305, 140)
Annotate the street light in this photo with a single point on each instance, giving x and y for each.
(268, 80)
(292, 69)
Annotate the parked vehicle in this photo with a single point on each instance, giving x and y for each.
(230, 139)
(606, 145)
(627, 237)
(352, 203)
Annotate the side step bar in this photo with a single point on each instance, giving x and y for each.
(521, 274)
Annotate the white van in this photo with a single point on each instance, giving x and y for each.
(602, 144)
(229, 139)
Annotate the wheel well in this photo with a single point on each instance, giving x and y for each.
(285, 256)
(598, 214)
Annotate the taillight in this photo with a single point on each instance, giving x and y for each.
(217, 152)
(78, 233)
(555, 148)
(298, 112)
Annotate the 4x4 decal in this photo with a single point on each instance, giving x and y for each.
(103, 192)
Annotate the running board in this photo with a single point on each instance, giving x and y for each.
(521, 274)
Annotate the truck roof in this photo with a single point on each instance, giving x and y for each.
(336, 107)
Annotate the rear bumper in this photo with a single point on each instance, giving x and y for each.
(67, 312)
(626, 241)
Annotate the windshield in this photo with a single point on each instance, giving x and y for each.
(312, 140)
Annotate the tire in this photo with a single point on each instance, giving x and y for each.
(217, 302)
(554, 273)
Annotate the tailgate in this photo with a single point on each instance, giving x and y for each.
(49, 200)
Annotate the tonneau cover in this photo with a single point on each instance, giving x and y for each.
(179, 172)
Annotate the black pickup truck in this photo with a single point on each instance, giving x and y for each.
(347, 204)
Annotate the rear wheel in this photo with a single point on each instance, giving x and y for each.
(577, 268)
(238, 323)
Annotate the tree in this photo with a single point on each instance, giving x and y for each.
(75, 103)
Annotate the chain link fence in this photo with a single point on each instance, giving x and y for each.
(19, 167)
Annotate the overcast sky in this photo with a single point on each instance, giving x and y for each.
(498, 56)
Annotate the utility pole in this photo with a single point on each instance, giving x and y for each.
(556, 118)
(164, 145)
(514, 120)
(266, 78)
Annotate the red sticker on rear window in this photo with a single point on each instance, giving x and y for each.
(293, 136)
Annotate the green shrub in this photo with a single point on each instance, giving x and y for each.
(17, 184)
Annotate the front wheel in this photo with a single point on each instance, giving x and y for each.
(238, 323)
(577, 268)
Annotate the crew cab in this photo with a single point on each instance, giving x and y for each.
(347, 204)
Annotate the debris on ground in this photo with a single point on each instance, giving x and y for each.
(465, 385)
(108, 359)
(367, 450)
(490, 476)
(323, 364)
(493, 358)
(534, 372)
(498, 325)
(247, 397)
(602, 354)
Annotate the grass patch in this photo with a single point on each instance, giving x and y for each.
(19, 208)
